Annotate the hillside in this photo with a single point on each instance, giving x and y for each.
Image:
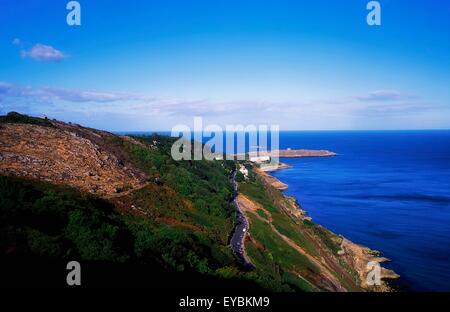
(281, 235)
(69, 192)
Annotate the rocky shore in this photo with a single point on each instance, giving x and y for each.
(363, 259)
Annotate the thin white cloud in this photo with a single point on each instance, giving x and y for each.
(42, 52)
(48, 99)
(68, 95)
(96, 100)
(80, 96)
(384, 96)
(8, 89)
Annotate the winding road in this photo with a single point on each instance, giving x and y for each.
(240, 230)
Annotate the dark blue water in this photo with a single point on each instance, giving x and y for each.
(387, 190)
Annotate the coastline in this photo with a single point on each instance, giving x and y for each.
(362, 258)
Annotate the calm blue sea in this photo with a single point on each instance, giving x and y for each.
(388, 190)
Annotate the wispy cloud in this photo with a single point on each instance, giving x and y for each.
(40, 52)
(390, 103)
(43, 52)
(9, 89)
(76, 102)
(80, 96)
(103, 100)
(69, 95)
(384, 96)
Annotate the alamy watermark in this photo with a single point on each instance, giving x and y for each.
(234, 142)
(74, 16)
(374, 16)
(74, 276)
(374, 273)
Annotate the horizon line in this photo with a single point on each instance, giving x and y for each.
(299, 130)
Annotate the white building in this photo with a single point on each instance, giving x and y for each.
(259, 159)
(244, 171)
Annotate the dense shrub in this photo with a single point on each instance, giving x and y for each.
(13, 117)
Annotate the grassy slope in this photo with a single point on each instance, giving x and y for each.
(189, 197)
(275, 257)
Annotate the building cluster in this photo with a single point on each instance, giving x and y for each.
(243, 170)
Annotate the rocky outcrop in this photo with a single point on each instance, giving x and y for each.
(274, 182)
(365, 260)
(66, 154)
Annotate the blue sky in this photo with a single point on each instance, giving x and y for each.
(148, 65)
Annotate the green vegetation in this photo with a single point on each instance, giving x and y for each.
(185, 220)
(39, 219)
(255, 191)
(205, 184)
(282, 222)
(179, 222)
(189, 215)
(13, 117)
(261, 213)
(328, 238)
(275, 258)
(58, 222)
(277, 249)
(273, 255)
(297, 281)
